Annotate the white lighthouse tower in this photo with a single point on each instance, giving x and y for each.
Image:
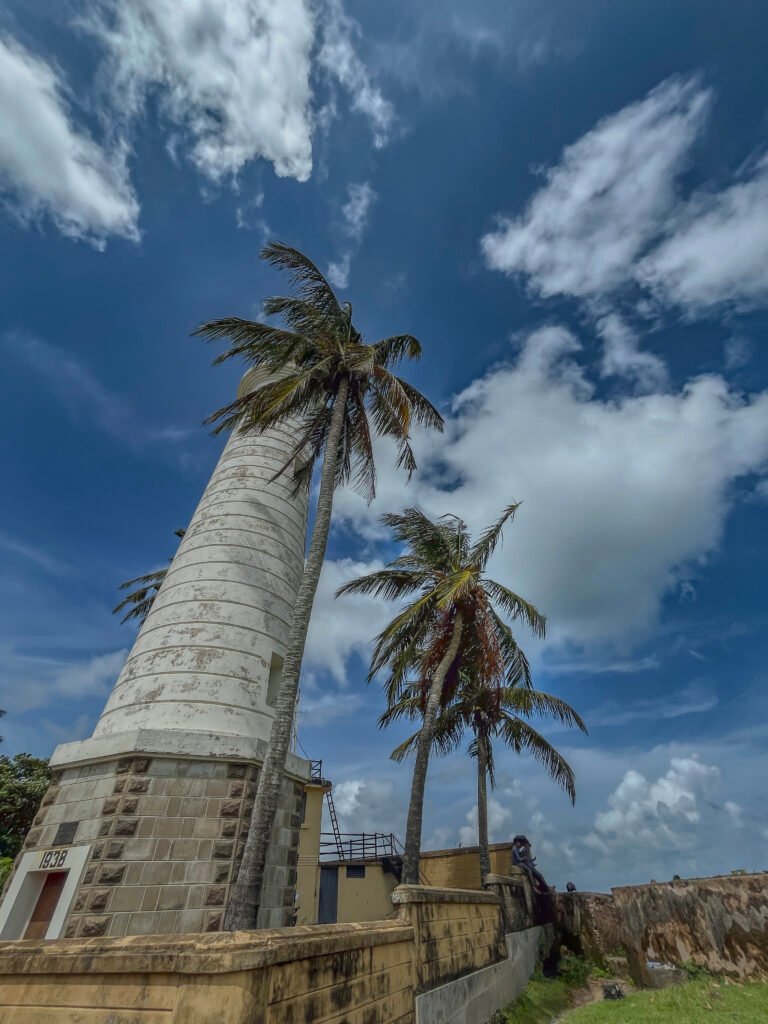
(142, 827)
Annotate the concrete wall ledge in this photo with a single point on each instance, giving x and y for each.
(475, 997)
(431, 894)
(170, 743)
(220, 953)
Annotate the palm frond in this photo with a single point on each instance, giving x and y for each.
(516, 607)
(487, 542)
(521, 736)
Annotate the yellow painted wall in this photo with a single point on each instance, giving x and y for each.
(365, 899)
(356, 973)
(308, 875)
(460, 868)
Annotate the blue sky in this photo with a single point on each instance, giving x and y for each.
(568, 205)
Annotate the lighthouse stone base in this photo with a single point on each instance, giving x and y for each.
(155, 835)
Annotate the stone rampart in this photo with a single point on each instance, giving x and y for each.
(720, 923)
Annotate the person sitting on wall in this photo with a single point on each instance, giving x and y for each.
(523, 858)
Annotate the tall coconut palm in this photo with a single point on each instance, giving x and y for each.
(491, 714)
(140, 600)
(452, 621)
(336, 391)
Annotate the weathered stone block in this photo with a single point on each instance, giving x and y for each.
(94, 926)
(236, 789)
(89, 876)
(110, 806)
(130, 805)
(97, 851)
(215, 896)
(104, 828)
(119, 786)
(123, 765)
(140, 765)
(50, 796)
(213, 924)
(112, 875)
(80, 902)
(115, 851)
(221, 873)
(33, 837)
(100, 899)
(229, 830)
(223, 850)
(139, 785)
(126, 826)
(236, 771)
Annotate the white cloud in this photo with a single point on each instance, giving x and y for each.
(606, 199)
(354, 216)
(341, 627)
(716, 249)
(369, 805)
(357, 208)
(499, 817)
(693, 699)
(234, 78)
(659, 812)
(623, 358)
(49, 167)
(234, 75)
(28, 681)
(621, 499)
(338, 271)
(37, 555)
(340, 60)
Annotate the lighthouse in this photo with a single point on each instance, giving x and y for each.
(143, 825)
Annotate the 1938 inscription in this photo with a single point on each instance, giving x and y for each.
(53, 859)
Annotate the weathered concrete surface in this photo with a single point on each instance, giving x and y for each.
(720, 923)
(516, 898)
(588, 924)
(456, 931)
(285, 976)
(459, 868)
(352, 973)
(473, 998)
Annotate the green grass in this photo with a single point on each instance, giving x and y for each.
(539, 1002)
(697, 1002)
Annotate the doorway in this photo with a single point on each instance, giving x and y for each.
(47, 901)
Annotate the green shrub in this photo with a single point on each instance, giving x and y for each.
(696, 972)
(575, 970)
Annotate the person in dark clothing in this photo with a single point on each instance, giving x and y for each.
(523, 858)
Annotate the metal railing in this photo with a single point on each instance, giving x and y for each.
(359, 845)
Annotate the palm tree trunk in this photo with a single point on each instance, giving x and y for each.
(245, 895)
(423, 748)
(482, 806)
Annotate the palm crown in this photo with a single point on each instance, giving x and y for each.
(492, 714)
(319, 347)
(451, 625)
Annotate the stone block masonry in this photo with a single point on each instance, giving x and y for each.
(165, 838)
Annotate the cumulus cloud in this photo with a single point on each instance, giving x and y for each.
(716, 249)
(51, 168)
(621, 499)
(235, 78)
(499, 817)
(369, 805)
(623, 358)
(606, 199)
(341, 627)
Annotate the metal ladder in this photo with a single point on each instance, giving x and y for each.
(335, 824)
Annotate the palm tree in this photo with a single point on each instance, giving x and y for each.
(451, 624)
(337, 390)
(491, 714)
(140, 600)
